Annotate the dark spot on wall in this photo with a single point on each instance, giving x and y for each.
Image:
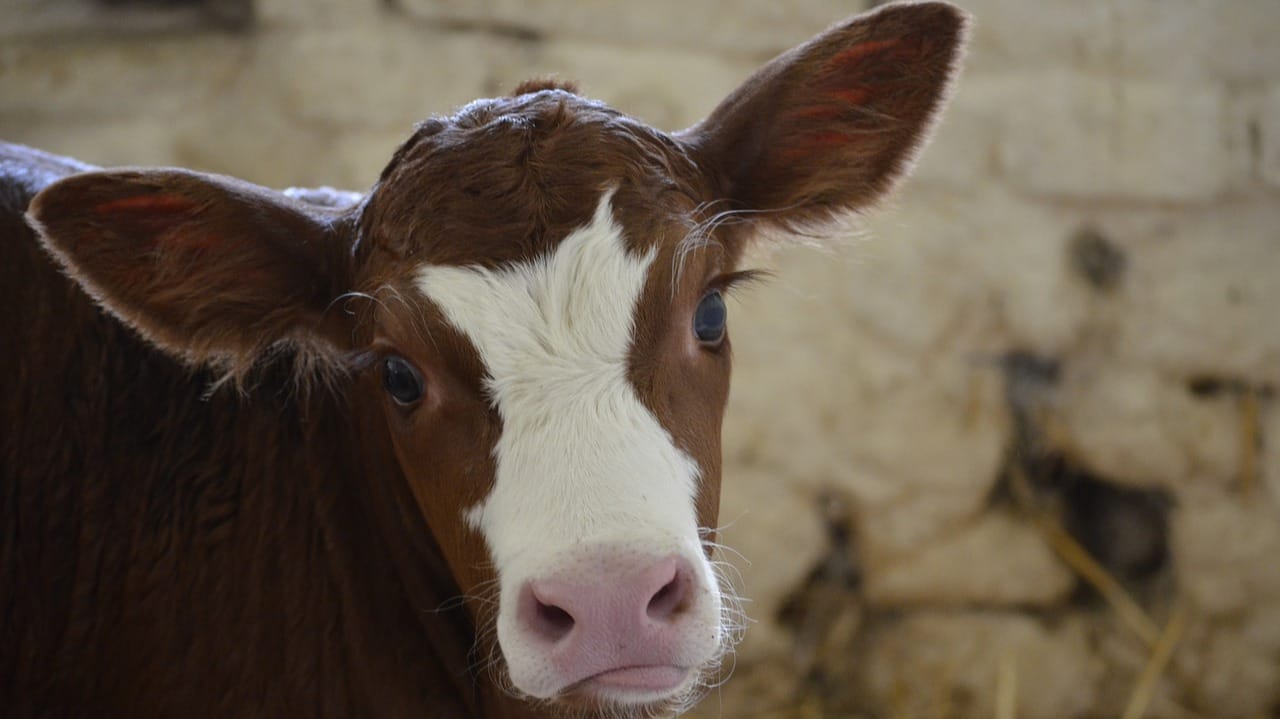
(1027, 375)
(1254, 134)
(826, 612)
(839, 569)
(1025, 367)
(1126, 529)
(1205, 386)
(1029, 379)
(1097, 259)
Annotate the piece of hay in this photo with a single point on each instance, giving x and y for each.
(1007, 685)
(1249, 436)
(1161, 653)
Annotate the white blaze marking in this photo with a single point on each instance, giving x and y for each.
(581, 460)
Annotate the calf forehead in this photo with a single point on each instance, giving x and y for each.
(505, 180)
(556, 319)
(578, 447)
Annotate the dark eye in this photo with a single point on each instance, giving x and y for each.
(709, 319)
(402, 380)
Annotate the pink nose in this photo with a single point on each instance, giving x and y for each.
(621, 628)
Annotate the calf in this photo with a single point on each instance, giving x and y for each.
(450, 448)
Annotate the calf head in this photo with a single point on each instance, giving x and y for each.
(533, 295)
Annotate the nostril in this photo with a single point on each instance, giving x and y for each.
(545, 618)
(616, 605)
(553, 621)
(671, 598)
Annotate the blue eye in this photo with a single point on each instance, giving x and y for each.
(709, 319)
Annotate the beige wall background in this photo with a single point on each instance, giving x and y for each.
(1011, 450)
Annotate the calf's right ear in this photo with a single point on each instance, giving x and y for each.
(832, 125)
(209, 268)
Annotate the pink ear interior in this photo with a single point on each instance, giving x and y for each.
(155, 220)
(146, 203)
(850, 97)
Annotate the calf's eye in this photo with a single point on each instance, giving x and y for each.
(402, 380)
(709, 319)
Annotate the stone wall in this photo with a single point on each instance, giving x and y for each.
(1013, 443)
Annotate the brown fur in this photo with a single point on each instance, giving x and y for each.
(167, 551)
(835, 123)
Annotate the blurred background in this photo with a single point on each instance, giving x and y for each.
(1011, 450)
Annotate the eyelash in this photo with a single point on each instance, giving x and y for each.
(732, 282)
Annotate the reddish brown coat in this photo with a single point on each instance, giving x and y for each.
(286, 543)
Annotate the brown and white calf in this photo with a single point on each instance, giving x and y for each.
(285, 454)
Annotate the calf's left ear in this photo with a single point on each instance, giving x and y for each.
(832, 125)
(209, 268)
